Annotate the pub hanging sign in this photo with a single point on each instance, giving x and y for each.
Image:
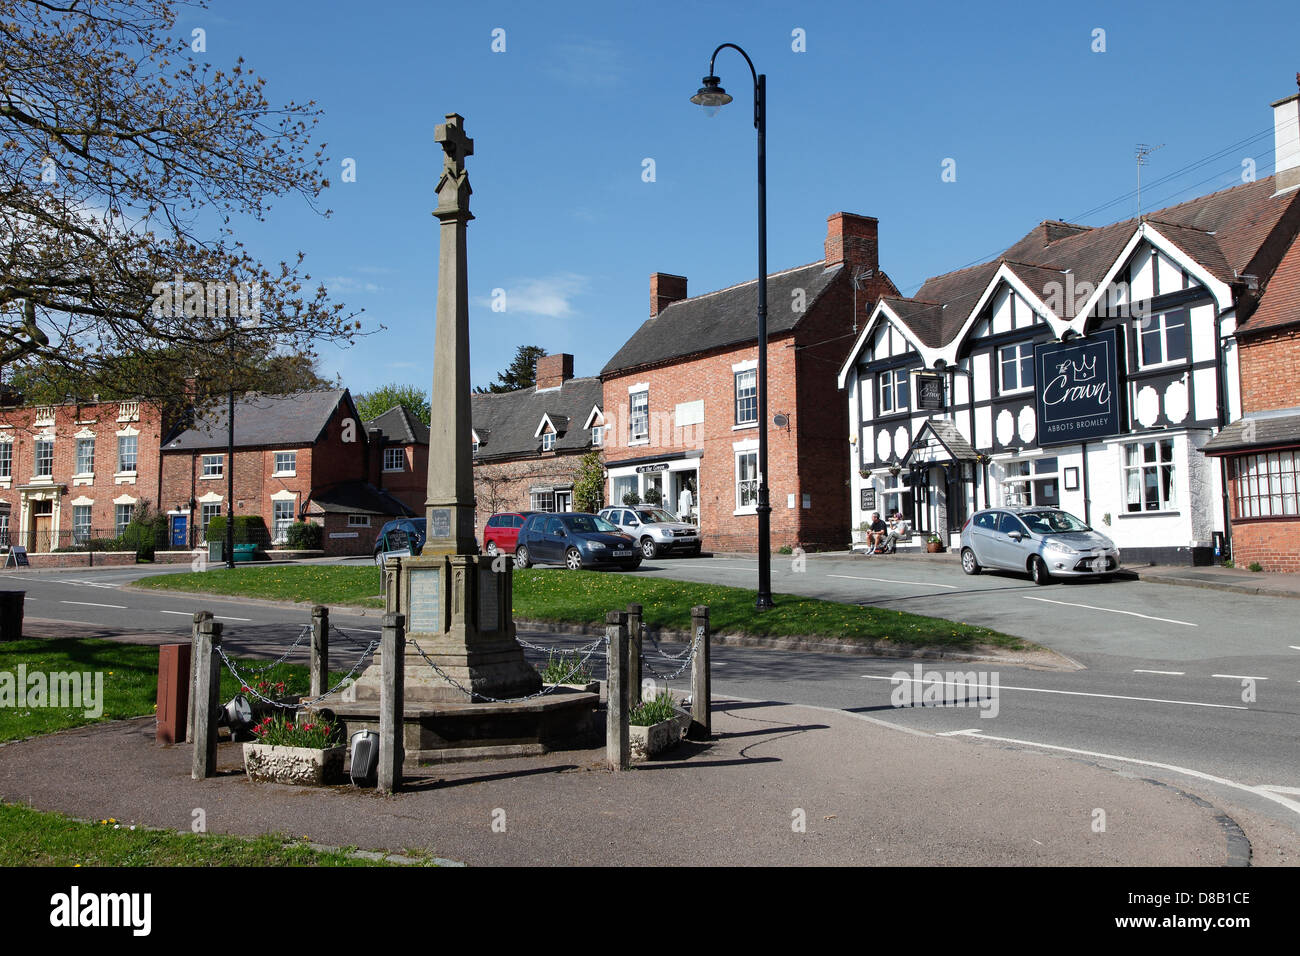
(1078, 394)
(929, 391)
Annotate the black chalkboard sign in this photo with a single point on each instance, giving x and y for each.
(17, 557)
(929, 391)
(868, 499)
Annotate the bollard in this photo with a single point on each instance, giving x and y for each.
(701, 719)
(392, 690)
(207, 695)
(633, 656)
(199, 617)
(618, 746)
(320, 650)
(173, 693)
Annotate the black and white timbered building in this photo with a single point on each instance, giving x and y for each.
(1084, 368)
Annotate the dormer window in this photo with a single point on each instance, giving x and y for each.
(548, 441)
(597, 436)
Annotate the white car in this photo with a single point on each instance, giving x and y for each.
(1046, 542)
(657, 532)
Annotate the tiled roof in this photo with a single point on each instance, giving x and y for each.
(401, 427)
(1267, 430)
(260, 419)
(506, 421)
(358, 497)
(1280, 304)
(725, 317)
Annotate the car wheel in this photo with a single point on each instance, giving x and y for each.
(491, 549)
(573, 559)
(521, 557)
(648, 548)
(1038, 571)
(968, 562)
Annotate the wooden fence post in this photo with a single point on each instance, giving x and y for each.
(701, 719)
(199, 617)
(392, 690)
(633, 656)
(207, 695)
(320, 650)
(618, 747)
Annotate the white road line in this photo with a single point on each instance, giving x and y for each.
(1067, 693)
(185, 613)
(958, 733)
(219, 617)
(1294, 647)
(1238, 677)
(1268, 793)
(120, 607)
(924, 584)
(1092, 607)
(1138, 670)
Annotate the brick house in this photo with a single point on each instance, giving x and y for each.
(303, 456)
(527, 443)
(681, 397)
(1261, 450)
(400, 456)
(76, 471)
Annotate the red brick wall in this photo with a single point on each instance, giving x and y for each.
(1270, 371)
(1274, 544)
(409, 486)
(505, 486)
(69, 419)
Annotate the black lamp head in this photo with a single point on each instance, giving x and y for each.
(711, 95)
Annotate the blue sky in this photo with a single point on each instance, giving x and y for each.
(1039, 125)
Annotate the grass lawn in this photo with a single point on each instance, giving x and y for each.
(584, 597)
(36, 838)
(130, 681)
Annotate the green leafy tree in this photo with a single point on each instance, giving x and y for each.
(372, 404)
(521, 373)
(589, 483)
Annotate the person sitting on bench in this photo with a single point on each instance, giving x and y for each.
(898, 527)
(876, 532)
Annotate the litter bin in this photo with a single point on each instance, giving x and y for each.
(245, 553)
(11, 615)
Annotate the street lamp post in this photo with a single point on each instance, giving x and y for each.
(711, 96)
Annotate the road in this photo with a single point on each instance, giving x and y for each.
(1196, 687)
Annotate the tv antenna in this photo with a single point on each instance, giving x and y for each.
(1143, 151)
(859, 280)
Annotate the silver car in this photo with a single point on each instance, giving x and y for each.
(1046, 542)
(657, 532)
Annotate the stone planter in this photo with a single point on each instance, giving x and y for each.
(300, 766)
(591, 687)
(647, 741)
(933, 547)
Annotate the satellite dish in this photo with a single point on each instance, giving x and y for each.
(781, 421)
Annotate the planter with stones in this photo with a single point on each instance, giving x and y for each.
(299, 766)
(648, 741)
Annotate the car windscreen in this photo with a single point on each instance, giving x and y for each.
(1052, 522)
(655, 516)
(588, 524)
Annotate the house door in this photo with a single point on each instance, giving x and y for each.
(38, 538)
(564, 501)
(180, 531)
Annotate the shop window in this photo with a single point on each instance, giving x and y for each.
(1032, 483)
(1149, 476)
(1267, 485)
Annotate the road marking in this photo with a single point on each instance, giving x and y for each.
(84, 584)
(186, 613)
(120, 607)
(1067, 693)
(1138, 670)
(1238, 677)
(219, 617)
(1093, 607)
(958, 733)
(1269, 793)
(924, 584)
(1294, 647)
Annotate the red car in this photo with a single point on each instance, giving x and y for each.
(502, 531)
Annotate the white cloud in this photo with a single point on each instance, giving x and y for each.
(350, 284)
(549, 296)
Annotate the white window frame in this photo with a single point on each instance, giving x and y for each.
(1267, 485)
(1161, 320)
(36, 457)
(548, 441)
(635, 418)
(135, 454)
(746, 487)
(6, 459)
(213, 466)
(390, 454)
(282, 472)
(118, 524)
(82, 530)
(542, 501)
(280, 524)
(358, 521)
(1023, 352)
(890, 382)
(1166, 504)
(77, 462)
(748, 394)
(1027, 495)
(207, 511)
(597, 436)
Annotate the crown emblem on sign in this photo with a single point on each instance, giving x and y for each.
(1085, 370)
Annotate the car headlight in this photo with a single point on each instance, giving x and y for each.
(1058, 547)
(595, 546)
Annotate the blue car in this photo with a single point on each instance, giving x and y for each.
(400, 538)
(576, 540)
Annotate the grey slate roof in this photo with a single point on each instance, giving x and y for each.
(358, 497)
(505, 422)
(949, 436)
(400, 427)
(1271, 430)
(261, 419)
(725, 317)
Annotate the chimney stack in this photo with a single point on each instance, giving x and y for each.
(851, 240)
(665, 289)
(554, 370)
(1286, 141)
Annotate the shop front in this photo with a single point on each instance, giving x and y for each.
(671, 482)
